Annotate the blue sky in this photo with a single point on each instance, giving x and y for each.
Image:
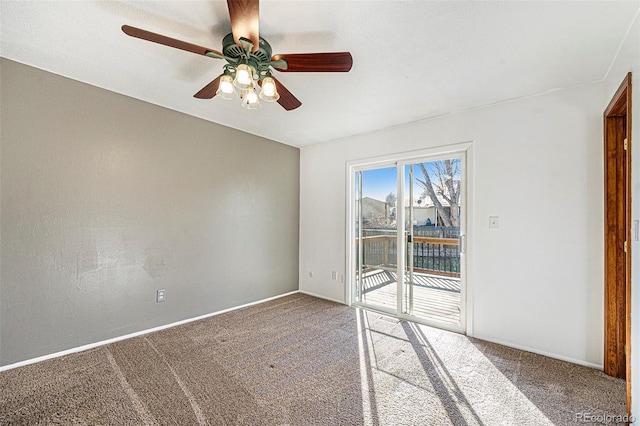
(379, 183)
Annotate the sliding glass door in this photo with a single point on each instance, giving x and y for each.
(376, 238)
(409, 238)
(433, 222)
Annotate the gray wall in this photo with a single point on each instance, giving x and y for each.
(105, 199)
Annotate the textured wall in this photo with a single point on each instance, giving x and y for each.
(105, 199)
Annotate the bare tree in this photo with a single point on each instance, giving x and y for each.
(441, 179)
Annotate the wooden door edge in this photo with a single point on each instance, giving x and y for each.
(622, 107)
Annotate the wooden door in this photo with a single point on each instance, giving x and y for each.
(617, 174)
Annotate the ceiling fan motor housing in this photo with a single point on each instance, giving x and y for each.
(261, 57)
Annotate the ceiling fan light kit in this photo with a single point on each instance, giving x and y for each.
(249, 62)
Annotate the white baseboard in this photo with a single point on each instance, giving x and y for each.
(173, 324)
(539, 352)
(308, 293)
(499, 342)
(137, 333)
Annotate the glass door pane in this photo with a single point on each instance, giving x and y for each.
(433, 195)
(376, 238)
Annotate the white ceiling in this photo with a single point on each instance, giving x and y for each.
(412, 59)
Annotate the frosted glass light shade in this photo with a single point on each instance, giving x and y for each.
(250, 100)
(269, 93)
(225, 88)
(244, 77)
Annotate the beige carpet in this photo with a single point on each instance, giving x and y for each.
(299, 360)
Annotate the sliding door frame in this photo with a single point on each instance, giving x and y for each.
(463, 243)
(464, 150)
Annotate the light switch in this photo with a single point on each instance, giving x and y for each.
(494, 222)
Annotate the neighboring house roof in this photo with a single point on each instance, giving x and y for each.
(374, 208)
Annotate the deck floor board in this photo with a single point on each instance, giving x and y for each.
(434, 298)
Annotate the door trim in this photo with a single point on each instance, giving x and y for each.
(617, 222)
(466, 150)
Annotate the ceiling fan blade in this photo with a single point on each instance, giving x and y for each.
(167, 41)
(245, 21)
(313, 62)
(209, 91)
(287, 100)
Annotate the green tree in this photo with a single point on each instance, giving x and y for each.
(391, 199)
(391, 202)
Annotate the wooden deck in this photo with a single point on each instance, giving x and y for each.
(434, 297)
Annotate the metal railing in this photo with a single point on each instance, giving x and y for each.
(432, 251)
(437, 255)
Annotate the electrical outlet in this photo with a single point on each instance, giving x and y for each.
(334, 275)
(311, 274)
(161, 295)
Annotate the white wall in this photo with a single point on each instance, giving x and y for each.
(628, 60)
(537, 163)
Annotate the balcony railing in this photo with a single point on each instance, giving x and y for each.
(436, 255)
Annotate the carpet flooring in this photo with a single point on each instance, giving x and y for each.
(299, 360)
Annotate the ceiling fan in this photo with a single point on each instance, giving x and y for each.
(249, 60)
